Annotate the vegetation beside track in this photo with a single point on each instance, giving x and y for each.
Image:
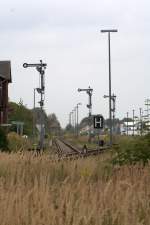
(35, 190)
(110, 189)
(127, 150)
(132, 150)
(82, 140)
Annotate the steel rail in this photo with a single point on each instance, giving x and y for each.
(74, 152)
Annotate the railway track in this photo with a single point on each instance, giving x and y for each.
(67, 150)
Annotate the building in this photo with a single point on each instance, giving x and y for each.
(5, 79)
(84, 130)
(130, 128)
(146, 124)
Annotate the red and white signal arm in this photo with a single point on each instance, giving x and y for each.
(98, 122)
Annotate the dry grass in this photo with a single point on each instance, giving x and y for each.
(36, 191)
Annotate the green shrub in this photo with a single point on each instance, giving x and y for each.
(132, 151)
(17, 143)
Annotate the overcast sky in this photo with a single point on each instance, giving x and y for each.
(65, 34)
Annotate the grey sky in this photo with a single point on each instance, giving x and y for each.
(66, 35)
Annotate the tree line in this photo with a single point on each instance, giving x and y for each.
(18, 112)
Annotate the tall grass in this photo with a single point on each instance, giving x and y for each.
(38, 191)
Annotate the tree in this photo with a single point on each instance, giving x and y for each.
(19, 112)
(37, 117)
(69, 128)
(53, 124)
(84, 122)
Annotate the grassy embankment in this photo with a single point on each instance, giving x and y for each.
(36, 191)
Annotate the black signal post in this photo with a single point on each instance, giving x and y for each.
(40, 67)
(89, 106)
(113, 108)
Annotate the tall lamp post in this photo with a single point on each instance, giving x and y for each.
(133, 120)
(110, 113)
(78, 118)
(127, 123)
(71, 120)
(75, 120)
(141, 122)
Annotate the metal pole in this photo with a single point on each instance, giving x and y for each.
(34, 115)
(70, 126)
(89, 106)
(113, 121)
(77, 120)
(133, 121)
(73, 124)
(110, 115)
(147, 103)
(90, 114)
(41, 105)
(113, 97)
(41, 133)
(141, 122)
(71, 119)
(127, 122)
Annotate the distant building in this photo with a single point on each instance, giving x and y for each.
(130, 128)
(5, 79)
(84, 130)
(146, 123)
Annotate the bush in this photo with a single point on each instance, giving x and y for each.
(3, 140)
(132, 151)
(17, 143)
